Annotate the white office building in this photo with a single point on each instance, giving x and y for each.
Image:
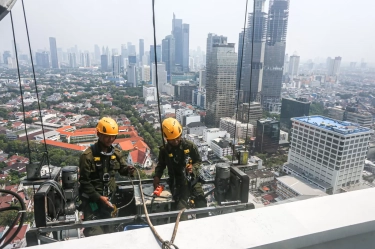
(149, 93)
(213, 133)
(328, 153)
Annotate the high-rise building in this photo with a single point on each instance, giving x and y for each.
(291, 108)
(97, 53)
(180, 32)
(72, 60)
(168, 54)
(104, 62)
(53, 52)
(162, 75)
(220, 79)
(293, 65)
(231, 126)
(183, 91)
(131, 49)
(328, 153)
(82, 60)
(6, 55)
(274, 53)
(87, 60)
(202, 78)
(267, 136)
(336, 66)
(116, 65)
(152, 53)
(132, 75)
(141, 49)
(253, 115)
(253, 58)
(146, 72)
(42, 59)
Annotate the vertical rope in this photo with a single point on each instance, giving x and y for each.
(156, 69)
(239, 82)
(36, 86)
(19, 80)
(251, 71)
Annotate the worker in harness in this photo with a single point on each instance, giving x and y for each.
(98, 165)
(183, 161)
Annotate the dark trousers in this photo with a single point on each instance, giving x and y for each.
(100, 213)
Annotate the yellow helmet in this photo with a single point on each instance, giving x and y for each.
(107, 126)
(171, 128)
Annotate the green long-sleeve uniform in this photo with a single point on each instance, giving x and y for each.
(174, 158)
(92, 166)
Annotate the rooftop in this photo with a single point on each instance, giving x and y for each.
(301, 186)
(342, 127)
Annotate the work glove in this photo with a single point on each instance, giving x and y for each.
(156, 182)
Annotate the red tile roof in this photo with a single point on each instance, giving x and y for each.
(140, 145)
(138, 156)
(64, 145)
(126, 145)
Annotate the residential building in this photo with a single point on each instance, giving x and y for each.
(149, 93)
(259, 178)
(196, 128)
(190, 118)
(291, 108)
(132, 74)
(290, 186)
(329, 153)
(221, 79)
(181, 113)
(199, 98)
(267, 136)
(72, 60)
(221, 147)
(202, 78)
(116, 65)
(53, 53)
(146, 72)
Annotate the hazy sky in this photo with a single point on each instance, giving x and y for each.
(317, 28)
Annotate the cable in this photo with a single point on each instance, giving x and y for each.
(36, 86)
(165, 243)
(20, 217)
(156, 69)
(19, 79)
(127, 204)
(251, 71)
(239, 82)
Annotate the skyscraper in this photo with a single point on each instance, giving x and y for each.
(162, 75)
(42, 59)
(141, 48)
(293, 65)
(181, 33)
(87, 60)
(97, 52)
(6, 55)
(168, 54)
(221, 71)
(104, 62)
(275, 50)
(116, 65)
(72, 60)
(152, 53)
(253, 58)
(53, 51)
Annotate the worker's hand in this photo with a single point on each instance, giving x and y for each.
(189, 168)
(106, 202)
(156, 182)
(130, 170)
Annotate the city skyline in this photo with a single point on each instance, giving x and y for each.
(306, 35)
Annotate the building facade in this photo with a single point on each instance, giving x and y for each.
(267, 136)
(53, 52)
(291, 108)
(327, 152)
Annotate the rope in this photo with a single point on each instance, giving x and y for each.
(20, 217)
(19, 79)
(239, 82)
(36, 86)
(251, 71)
(165, 244)
(156, 69)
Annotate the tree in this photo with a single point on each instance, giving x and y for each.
(317, 109)
(28, 120)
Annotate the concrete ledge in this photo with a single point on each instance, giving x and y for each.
(322, 222)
